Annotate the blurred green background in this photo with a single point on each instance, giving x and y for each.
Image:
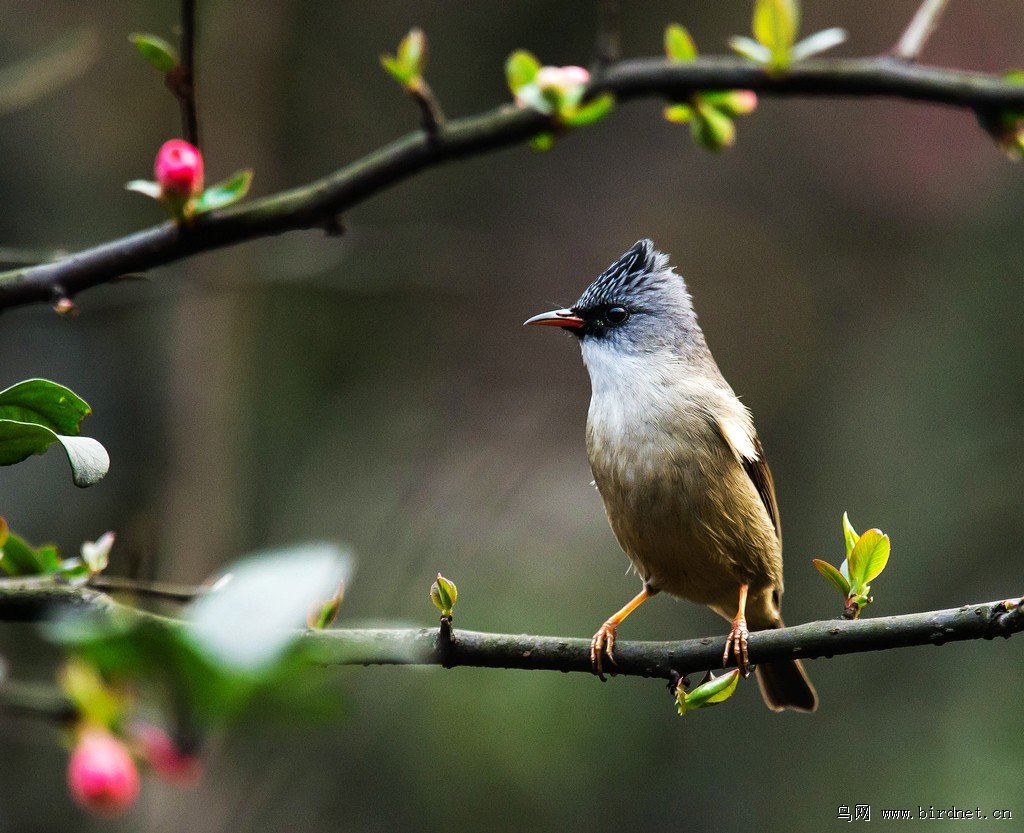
(857, 269)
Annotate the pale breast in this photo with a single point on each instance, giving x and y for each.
(679, 502)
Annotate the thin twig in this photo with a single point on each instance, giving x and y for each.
(608, 49)
(919, 30)
(36, 700)
(311, 205)
(431, 114)
(182, 78)
(147, 589)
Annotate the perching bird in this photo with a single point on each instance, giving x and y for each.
(678, 464)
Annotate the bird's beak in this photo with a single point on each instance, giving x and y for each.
(557, 318)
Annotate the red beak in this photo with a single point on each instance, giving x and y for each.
(564, 318)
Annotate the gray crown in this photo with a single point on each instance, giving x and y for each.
(625, 277)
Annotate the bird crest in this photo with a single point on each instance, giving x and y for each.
(625, 276)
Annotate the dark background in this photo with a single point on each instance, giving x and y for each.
(857, 269)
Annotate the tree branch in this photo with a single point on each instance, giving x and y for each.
(318, 203)
(185, 73)
(609, 34)
(36, 700)
(180, 593)
(423, 646)
(919, 30)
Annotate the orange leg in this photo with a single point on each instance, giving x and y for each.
(603, 642)
(736, 641)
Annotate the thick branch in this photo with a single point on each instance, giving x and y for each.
(421, 646)
(660, 659)
(319, 203)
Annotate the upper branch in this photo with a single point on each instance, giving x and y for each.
(318, 203)
(185, 86)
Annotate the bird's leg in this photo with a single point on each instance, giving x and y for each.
(736, 641)
(603, 642)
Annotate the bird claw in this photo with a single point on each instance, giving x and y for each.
(602, 645)
(736, 645)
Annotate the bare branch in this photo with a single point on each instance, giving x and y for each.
(21, 601)
(181, 80)
(609, 34)
(919, 30)
(36, 700)
(146, 589)
(431, 114)
(315, 204)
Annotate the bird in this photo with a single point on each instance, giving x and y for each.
(678, 464)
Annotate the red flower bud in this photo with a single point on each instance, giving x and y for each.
(163, 755)
(179, 169)
(101, 773)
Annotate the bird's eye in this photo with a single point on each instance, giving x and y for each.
(616, 316)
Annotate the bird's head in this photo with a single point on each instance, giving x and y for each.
(638, 305)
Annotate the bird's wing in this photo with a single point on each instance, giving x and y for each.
(747, 448)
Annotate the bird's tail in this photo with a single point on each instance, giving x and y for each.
(784, 684)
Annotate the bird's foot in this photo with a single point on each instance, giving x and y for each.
(736, 645)
(602, 645)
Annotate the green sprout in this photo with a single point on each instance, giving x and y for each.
(710, 115)
(407, 64)
(716, 690)
(775, 26)
(444, 594)
(554, 91)
(866, 557)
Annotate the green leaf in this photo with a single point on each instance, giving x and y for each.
(543, 142)
(775, 25)
(521, 69)
(711, 128)
(849, 534)
(263, 601)
(155, 50)
(732, 102)
(44, 403)
(19, 558)
(412, 52)
(590, 112)
(144, 187)
(833, 575)
(224, 193)
(395, 69)
(678, 113)
(715, 690)
(444, 594)
(95, 701)
(869, 557)
(750, 49)
(73, 571)
(679, 46)
(19, 440)
(818, 42)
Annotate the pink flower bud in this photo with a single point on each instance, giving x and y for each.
(172, 765)
(101, 773)
(744, 101)
(179, 169)
(562, 79)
